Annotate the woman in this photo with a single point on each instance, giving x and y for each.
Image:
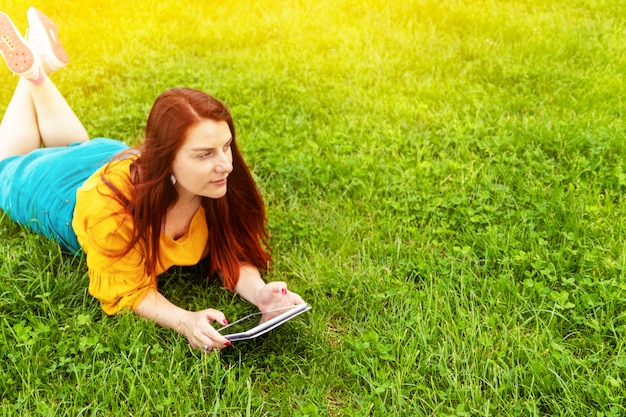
(183, 196)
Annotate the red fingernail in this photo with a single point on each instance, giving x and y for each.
(225, 322)
(227, 343)
(284, 291)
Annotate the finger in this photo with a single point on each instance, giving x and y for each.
(276, 287)
(215, 339)
(205, 337)
(296, 298)
(293, 297)
(211, 348)
(216, 315)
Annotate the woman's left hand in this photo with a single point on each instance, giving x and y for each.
(275, 295)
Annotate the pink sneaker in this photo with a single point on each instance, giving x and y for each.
(43, 38)
(18, 56)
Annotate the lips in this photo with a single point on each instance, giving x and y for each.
(223, 181)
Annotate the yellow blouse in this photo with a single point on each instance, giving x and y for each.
(103, 230)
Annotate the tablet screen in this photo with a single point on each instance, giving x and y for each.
(250, 326)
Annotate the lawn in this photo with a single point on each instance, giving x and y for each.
(444, 183)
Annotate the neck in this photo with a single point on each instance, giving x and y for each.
(187, 199)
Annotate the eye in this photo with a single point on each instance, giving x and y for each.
(204, 155)
(228, 145)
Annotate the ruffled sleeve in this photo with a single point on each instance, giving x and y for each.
(118, 280)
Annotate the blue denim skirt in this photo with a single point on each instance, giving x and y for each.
(38, 190)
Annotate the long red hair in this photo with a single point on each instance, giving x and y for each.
(236, 222)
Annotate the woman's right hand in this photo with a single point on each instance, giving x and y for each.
(196, 326)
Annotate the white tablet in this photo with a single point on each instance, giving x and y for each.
(249, 327)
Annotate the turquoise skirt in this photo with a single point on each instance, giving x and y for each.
(38, 190)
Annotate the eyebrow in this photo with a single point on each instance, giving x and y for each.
(210, 149)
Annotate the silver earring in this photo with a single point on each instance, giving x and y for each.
(173, 179)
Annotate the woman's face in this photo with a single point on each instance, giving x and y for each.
(201, 166)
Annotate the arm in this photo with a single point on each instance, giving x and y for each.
(249, 284)
(194, 325)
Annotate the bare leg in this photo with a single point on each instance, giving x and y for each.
(19, 132)
(58, 124)
(38, 115)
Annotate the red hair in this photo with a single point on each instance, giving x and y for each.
(236, 222)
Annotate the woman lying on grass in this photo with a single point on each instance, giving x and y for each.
(134, 212)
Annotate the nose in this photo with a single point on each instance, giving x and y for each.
(225, 163)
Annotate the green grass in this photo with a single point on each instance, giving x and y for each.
(445, 186)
